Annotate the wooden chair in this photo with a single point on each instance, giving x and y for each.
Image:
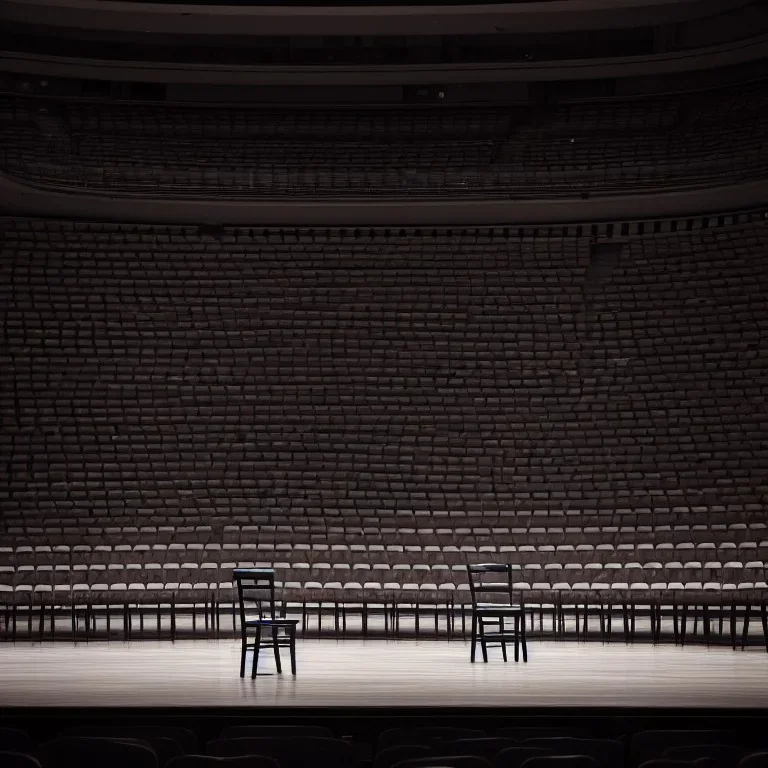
(256, 592)
(496, 613)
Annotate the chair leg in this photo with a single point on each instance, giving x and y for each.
(764, 616)
(503, 643)
(733, 626)
(483, 646)
(683, 623)
(625, 617)
(292, 636)
(474, 635)
(276, 648)
(705, 623)
(243, 651)
(523, 642)
(745, 630)
(675, 622)
(256, 648)
(518, 621)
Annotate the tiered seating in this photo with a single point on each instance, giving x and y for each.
(370, 411)
(600, 147)
(288, 745)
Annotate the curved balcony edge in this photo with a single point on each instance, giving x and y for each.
(21, 199)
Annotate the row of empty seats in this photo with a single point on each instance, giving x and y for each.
(609, 146)
(368, 413)
(296, 746)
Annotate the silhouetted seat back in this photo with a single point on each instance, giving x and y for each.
(427, 736)
(561, 761)
(648, 745)
(487, 747)
(755, 760)
(514, 757)
(183, 736)
(207, 761)
(18, 760)
(445, 761)
(390, 756)
(74, 751)
(262, 731)
(666, 763)
(524, 734)
(290, 752)
(14, 740)
(605, 752)
(723, 755)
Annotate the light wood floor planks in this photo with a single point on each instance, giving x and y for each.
(356, 673)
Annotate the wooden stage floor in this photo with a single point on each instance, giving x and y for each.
(380, 673)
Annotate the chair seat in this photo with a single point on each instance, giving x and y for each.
(271, 622)
(497, 608)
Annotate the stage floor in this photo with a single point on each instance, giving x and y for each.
(380, 673)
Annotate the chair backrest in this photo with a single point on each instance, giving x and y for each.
(427, 736)
(561, 761)
(605, 752)
(206, 761)
(647, 745)
(260, 731)
(514, 757)
(18, 760)
(490, 583)
(487, 747)
(445, 761)
(390, 756)
(255, 592)
(290, 751)
(69, 751)
(14, 740)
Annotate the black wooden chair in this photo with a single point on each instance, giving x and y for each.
(497, 611)
(256, 594)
